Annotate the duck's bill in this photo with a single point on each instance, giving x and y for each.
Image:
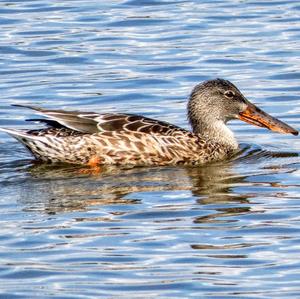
(255, 116)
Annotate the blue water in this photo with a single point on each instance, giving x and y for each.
(230, 230)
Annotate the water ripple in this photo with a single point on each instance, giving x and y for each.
(224, 230)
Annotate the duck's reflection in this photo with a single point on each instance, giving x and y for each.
(64, 189)
(58, 188)
(209, 202)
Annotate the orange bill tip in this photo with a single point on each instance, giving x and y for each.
(255, 116)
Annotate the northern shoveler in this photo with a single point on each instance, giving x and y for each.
(92, 138)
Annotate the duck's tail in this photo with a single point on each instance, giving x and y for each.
(33, 143)
(18, 134)
(45, 148)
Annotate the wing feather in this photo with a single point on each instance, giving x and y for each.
(90, 122)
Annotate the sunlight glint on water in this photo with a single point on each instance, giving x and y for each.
(230, 229)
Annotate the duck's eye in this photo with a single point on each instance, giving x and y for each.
(229, 94)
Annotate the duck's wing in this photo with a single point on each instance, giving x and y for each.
(135, 123)
(75, 120)
(90, 122)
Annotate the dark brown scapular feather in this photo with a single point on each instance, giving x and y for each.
(89, 122)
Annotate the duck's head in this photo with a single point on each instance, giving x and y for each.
(215, 102)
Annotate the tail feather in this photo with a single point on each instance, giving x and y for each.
(28, 107)
(37, 145)
(18, 134)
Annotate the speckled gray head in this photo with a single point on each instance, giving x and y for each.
(214, 102)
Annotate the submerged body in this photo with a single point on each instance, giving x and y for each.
(77, 137)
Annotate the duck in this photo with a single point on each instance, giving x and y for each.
(91, 138)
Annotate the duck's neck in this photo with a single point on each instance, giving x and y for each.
(216, 131)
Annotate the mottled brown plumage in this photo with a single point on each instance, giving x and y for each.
(81, 137)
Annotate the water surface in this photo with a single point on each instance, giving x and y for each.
(229, 230)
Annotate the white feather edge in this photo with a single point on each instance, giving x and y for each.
(18, 133)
